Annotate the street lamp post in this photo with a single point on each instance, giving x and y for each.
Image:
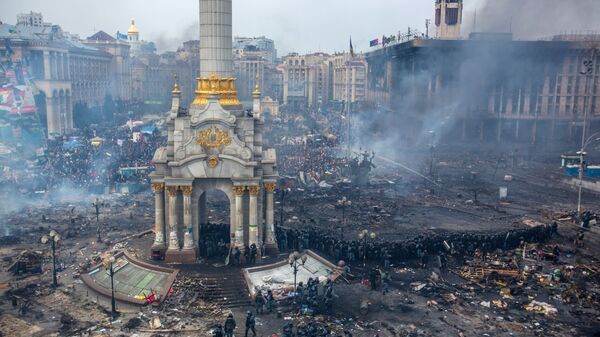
(108, 262)
(364, 235)
(53, 237)
(343, 203)
(296, 259)
(588, 71)
(97, 206)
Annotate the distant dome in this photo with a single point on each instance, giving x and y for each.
(133, 29)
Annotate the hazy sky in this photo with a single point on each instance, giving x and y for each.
(306, 25)
(295, 25)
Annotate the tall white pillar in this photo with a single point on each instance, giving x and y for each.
(269, 221)
(173, 235)
(253, 216)
(239, 216)
(215, 38)
(188, 238)
(159, 215)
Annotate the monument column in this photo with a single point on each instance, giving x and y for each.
(188, 240)
(253, 216)
(239, 216)
(47, 72)
(159, 215)
(173, 237)
(269, 221)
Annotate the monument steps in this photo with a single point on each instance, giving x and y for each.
(226, 288)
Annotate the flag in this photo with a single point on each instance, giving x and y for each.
(351, 48)
(374, 43)
(121, 36)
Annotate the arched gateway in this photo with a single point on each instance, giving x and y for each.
(214, 146)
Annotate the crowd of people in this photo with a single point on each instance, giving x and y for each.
(84, 161)
(90, 164)
(420, 248)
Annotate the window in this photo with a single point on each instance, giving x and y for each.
(451, 16)
(438, 16)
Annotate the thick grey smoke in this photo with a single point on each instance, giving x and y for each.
(534, 19)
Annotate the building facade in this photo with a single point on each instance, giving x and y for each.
(306, 80)
(262, 43)
(120, 63)
(349, 78)
(491, 88)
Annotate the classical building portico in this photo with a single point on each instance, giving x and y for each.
(213, 145)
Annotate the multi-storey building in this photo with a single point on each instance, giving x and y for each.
(65, 71)
(249, 67)
(491, 87)
(120, 63)
(265, 45)
(306, 80)
(188, 69)
(31, 19)
(349, 78)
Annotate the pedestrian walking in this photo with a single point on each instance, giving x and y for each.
(250, 324)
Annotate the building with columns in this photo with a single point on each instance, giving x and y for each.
(213, 145)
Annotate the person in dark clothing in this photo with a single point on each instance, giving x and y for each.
(288, 330)
(270, 301)
(259, 301)
(236, 256)
(373, 276)
(253, 253)
(218, 331)
(250, 324)
(247, 254)
(230, 325)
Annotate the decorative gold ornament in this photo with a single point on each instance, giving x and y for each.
(176, 91)
(187, 190)
(254, 189)
(213, 137)
(158, 187)
(172, 191)
(256, 92)
(222, 87)
(213, 162)
(270, 187)
(239, 190)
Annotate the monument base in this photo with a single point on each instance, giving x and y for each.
(157, 252)
(181, 256)
(271, 249)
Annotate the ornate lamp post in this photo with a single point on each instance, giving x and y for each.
(296, 259)
(97, 205)
(108, 262)
(53, 237)
(343, 203)
(364, 235)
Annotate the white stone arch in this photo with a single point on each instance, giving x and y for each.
(199, 211)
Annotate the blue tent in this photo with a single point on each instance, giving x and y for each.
(72, 144)
(150, 130)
